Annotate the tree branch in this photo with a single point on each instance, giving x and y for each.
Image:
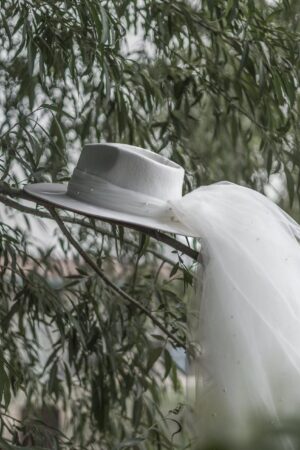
(158, 235)
(73, 220)
(108, 282)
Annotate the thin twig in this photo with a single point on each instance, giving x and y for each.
(159, 236)
(108, 282)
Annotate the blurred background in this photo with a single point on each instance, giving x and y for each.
(211, 84)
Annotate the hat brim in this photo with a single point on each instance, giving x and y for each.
(56, 194)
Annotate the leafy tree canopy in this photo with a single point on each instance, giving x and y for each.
(213, 85)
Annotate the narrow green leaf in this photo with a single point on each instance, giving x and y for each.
(277, 86)
(53, 378)
(30, 56)
(4, 385)
(168, 362)
(244, 57)
(60, 132)
(269, 161)
(137, 411)
(105, 25)
(143, 244)
(174, 269)
(290, 185)
(153, 355)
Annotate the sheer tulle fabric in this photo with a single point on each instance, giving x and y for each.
(248, 310)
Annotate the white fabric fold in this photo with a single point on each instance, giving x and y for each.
(248, 306)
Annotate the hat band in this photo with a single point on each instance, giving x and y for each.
(99, 192)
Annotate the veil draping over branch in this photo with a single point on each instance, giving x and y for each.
(248, 307)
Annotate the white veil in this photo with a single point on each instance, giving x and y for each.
(248, 309)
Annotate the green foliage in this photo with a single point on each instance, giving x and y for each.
(212, 85)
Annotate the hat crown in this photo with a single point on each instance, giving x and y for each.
(133, 168)
(120, 183)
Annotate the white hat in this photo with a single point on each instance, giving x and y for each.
(121, 183)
